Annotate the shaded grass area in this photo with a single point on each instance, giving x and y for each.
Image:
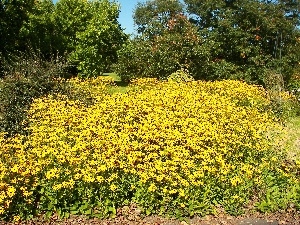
(293, 130)
(121, 86)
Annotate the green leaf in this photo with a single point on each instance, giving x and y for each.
(88, 212)
(67, 215)
(148, 212)
(112, 210)
(84, 207)
(48, 214)
(74, 212)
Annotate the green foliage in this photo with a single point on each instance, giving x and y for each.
(294, 84)
(152, 17)
(71, 17)
(13, 13)
(130, 61)
(96, 47)
(87, 90)
(180, 76)
(253, 35)
(281, 191)
(283, 104)
(87, 33)
(236, 39)
(26, 77)
(176, 48)
(40, 32)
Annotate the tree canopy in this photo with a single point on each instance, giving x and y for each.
(154, 16)
(87, 33)
(240, 39)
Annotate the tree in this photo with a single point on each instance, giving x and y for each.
(177, 46)
(86, 32)
(168, 42)
(13, 13)
(146, 55)
(97, 45)
(254, 35)
(71, 17)
(152, 17)
(39, 32)
(240, 39)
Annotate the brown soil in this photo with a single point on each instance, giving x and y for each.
(132, 216)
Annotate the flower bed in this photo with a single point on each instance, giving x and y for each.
(172, 148)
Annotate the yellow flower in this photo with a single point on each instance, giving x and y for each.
(52, 173)
(177, 136)
(152, 188)
(103, 168)
(235, 197)
(88, 178)
(15, 169)
(57, 187)
(112, 187)
(181, 193)
(173, 191)
(2, 210)
(77, 176)
(11, 191)
(16, 218)
(235, 181)
(100, 179)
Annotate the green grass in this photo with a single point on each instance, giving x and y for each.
(121, 87)
(293, 129)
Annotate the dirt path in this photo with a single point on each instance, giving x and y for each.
(133, 217)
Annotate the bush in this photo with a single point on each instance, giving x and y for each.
(178, 48)
(87, 33)
(294, 84)
(97, 45)
(180, 76)
(26, 77)
(177, 148)
(283, 104)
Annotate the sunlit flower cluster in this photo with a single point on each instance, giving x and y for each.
(89, 89)
(176, 142)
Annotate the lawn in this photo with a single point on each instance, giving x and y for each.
(121, 87)
(293, 128)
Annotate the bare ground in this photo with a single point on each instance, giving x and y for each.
(132, 216)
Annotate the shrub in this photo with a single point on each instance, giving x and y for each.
(284, 104)
(26, 77)
(180, 76)
(177, 48)
(294, 84)
(177, 148)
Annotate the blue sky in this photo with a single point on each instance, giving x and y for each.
(125, 18)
